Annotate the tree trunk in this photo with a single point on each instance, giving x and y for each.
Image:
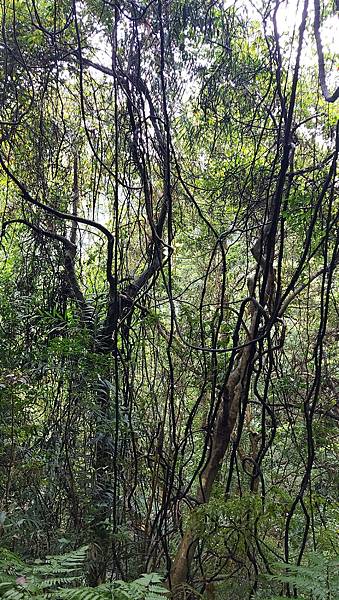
(225, 423)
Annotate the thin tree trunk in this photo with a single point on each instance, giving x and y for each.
(225, 423)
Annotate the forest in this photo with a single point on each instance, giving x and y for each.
(169, 302)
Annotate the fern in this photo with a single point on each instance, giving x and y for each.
(62, 578)
(318, 580)
(147, 587)
(41, 579)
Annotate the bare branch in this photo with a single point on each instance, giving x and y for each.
(321, 61)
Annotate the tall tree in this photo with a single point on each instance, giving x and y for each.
(169, 231)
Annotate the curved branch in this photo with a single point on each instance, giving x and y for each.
(321, 61)
(301, 287)
(69, 257)
(51, 234)
(66, 217)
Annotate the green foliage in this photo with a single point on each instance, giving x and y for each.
(146, 587)
(316, 580)
(110, 390)
(41, 579)
(62, 577)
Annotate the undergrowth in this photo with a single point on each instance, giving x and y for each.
(62, 578)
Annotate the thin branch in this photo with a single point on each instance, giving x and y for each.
(50, 234)
(69, 257)
(66, 217)
(321, 61)
(301, 287)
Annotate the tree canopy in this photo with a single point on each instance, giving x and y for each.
(169, 302)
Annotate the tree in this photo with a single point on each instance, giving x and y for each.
(168, 207)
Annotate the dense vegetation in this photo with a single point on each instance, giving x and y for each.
(169, 307)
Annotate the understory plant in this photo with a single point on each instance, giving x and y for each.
(63, 577)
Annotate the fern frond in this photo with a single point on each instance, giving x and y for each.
(60, 577)
(317, 580)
